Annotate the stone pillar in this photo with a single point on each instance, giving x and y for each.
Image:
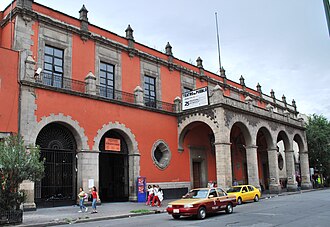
(252, 166)
(28, 188)
(134, 172)
(217, 95)
(138, 93)
(304, 166)
(29, 69)
(177, 104)
(223, 164)
(274, 184)
(290, 171)
(90, 84)
(88, 169)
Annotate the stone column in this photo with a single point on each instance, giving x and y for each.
(304, 166)
(223, 164)
(252, 165)
(88, 169)
(177, 104)
(217, 95)
(138, 92)
(28, 188)
(274, 184)
(290, 171)
(134, 172)
(90, 83)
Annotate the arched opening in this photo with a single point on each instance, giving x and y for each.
(298, 147)
(199, 141)
(239, 139)
(263, 144)
(282, 146)
(113, 167)
(58, 149)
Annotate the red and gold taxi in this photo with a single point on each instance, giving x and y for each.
(198, 202)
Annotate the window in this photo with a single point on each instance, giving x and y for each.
(150, 91)
(161, 154)
(107, 80)
(53, 67)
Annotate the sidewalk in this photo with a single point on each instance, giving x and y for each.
(69, 214)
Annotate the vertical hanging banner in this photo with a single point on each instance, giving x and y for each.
(195, 98)
(112, 144)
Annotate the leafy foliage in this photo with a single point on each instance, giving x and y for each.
(17, 163)
(318, 140)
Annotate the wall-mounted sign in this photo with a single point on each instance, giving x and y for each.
(112, 144)
(195, 98)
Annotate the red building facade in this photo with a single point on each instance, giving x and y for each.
(105, 109)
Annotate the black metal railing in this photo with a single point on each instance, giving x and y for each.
(111, 93)
(158, 104)
(57, 81)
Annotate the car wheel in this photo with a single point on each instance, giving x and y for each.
(239, 201)
(229, 208)
(176, 216)
(256, 198)
(201, 213)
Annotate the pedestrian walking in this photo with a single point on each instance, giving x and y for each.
(82, 196)
(150, 194)
(158, 197)
(94, 196)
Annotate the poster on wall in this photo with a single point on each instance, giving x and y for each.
(112, 144)
(195, 98)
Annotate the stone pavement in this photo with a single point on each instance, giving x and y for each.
(69, 214)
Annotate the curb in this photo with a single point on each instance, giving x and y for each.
(84, 220)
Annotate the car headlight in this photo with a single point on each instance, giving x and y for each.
(188, 206)
(169, 206)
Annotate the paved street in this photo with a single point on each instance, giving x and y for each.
(306, 209)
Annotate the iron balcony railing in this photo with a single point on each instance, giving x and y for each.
(110, 93)
(58, 81)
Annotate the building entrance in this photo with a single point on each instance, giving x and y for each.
(58, 149)
(113, 164)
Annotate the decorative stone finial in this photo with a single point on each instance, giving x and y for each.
(241, 81)
(294, 103)
(168, 49)
(199, 62)
(129, 33)
(83, 13)
(259, 88)
(284, 98)
(272, 94)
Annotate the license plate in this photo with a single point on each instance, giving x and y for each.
(176, 211)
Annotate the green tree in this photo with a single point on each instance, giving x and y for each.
(318, 140)
(17, 163)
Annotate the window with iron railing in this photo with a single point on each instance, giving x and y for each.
(107, 80)
(150, 91)
(53, 66)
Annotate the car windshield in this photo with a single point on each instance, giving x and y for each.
(196, 194)
(234, 189)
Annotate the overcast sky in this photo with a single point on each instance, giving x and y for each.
(282, 44)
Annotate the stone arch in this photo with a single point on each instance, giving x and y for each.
(282, 135)
(249, 140)
(183, 128)
(299, 140)
(268, 137)
(123, 130)
(73, 125)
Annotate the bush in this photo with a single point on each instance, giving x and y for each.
(17, 163)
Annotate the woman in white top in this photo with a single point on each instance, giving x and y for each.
(158, 196)
(150, 191)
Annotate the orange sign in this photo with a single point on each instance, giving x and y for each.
(112, 144)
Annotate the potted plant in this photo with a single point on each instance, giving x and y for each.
(17, 163)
